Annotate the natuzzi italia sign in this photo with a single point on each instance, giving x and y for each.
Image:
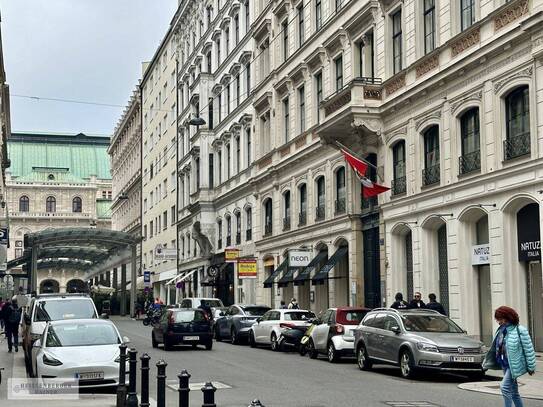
(528, 233)
(480, 254)
(299, 258)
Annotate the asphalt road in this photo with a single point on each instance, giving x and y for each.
(289, 380)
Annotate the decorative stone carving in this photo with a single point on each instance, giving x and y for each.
(371, 125)
(525, 73)
(434, 115)
(477, 96)
(337, 102)
(300, 142)
(466, 41)
(284, 151)
(512, 12)
(427, 65)
(396, 132)
(395, 84)
(374, 93)
(265, 162)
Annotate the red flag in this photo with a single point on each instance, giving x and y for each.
(357, 164)
(370, 189)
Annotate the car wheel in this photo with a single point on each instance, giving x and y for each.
(407, 365)
(252, 342)
(209, 345)
(153, 341)
(313, 354)
(234, 337)
(333, 356)
(218, 337)
(364, 362)
(274, 344)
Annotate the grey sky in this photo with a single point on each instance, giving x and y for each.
(88, 50)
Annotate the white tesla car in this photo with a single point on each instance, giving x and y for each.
(86, 350)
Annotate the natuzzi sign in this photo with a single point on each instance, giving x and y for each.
(299, 258)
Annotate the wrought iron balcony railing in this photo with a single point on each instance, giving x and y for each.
(320, 213)
(268, 230)
(302, 218)
(340, 206)
(249, 235)
(399, 186)
(431, 175)
(286, 223)
(469, 162)
(517, 146)
(238, 238)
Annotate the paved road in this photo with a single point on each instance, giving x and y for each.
(288, 380)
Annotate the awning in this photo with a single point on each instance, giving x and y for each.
(268, 283)
(288, 276)
(166, 275)
(305, 273)
(140, 284)
(180, 277)
(332, 261)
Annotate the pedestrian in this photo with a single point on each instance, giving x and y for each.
(293, 304)
(513, 352)
(399, 303)
(12, 319)
(2, 302)
(434, 305)
(283, 304)
(417, 302)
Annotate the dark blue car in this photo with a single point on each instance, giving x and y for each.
(182, 326)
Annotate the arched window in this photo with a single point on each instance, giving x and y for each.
(219, 233)
(238, 227)
(286, 208)
(470, 160)
(268, 217)
(77, 204)
(340, 190)
(249, 224)
(431, 172)
(50, 204)
(321, 199)
(303, 205)
(24, 204)
(228, 230)
(398, 167)
(517, 106)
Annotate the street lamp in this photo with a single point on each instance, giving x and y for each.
(197, 121)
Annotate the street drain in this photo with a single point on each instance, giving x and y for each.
(410, 404)
(174, 385)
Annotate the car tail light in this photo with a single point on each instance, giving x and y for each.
(340, 329)
(286, 325)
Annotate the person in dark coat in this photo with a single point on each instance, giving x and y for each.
(434, 305)
(12, 318)
(399, 303)
(417, 302)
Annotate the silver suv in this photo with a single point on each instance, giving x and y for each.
(415, 340)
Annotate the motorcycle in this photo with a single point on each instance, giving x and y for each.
(153, 316)
(290, 336)
(304, 341)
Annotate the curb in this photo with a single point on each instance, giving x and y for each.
(529, 389)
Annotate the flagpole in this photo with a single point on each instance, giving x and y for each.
(361, 159)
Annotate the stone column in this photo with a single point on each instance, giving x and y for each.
(115, 285)
(123, 290)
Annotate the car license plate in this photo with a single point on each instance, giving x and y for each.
(462, 359)
(191, 338)
(90, 376)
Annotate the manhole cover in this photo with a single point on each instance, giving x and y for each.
(174, 385)
(411, 404)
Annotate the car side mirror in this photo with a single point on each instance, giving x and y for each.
(37, 343)
(126, 339)
(395, 329)
(27, 319)
(104, 315)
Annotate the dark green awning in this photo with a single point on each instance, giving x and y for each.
(305, 273)
(268, 283)
(288, 277)
(332, 261)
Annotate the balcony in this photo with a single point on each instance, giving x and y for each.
(399, 186)
(238, 238)
(302, 218)
(219, 244)
(286, 223)
(369, 204)
(249, 235)
(320, 213)
(469, 162)
(340, 206)
(516, 146)
(431, 175)
(228, 241)
(268, 229)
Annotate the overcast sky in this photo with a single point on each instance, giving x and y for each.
(88, 50)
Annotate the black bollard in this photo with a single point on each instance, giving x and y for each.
(132, 398)
(161, 383)
(121, 387)
(184, 389)
(145, 380)
(256, 403)
(209, 395)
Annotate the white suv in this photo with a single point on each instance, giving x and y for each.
(267, 329)
(215, 304)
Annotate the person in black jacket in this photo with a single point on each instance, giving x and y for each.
(399, 303)
(12, 319)
(434, 305)
(417, 302)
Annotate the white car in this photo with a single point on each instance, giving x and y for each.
(215, 304)
(267, 329)
(86, 350)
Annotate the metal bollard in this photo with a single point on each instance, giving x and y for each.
(161, 383)
(209, 395)
(121, 387)
(184, 389)
(256, 403)
(132, 398)
(145, 380)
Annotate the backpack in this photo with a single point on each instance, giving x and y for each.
(15, 316)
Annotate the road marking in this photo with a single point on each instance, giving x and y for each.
(174, 385)
(410, 404)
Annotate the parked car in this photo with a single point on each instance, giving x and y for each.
(334, 335)
(416, 340)
(267, 329)
(237, 320)
(215, 304)
(52, 307)
(84, 349)
(183, 326)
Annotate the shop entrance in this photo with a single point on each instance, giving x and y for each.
(535, 304)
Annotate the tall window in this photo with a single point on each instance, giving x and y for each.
(211, 170)
(397, 41)
(301, 99)
(517, 106)
(50, 204)
(469, 133)
(24, 204)
(238, 87)
(197, 164)
(318, 92)
(236, 29)
(219, 234)
(248, 78)
(218, 42)
(429, 25)
(268, 217)
(284, 29)
(228, 230)
(301, 28)
(340, 190)
(238, 227)
(228, 160)
(77, 204)
(249, 224)
(238, 153)
(209, 12)
(398, 168)
(227, 42)
(318, 14)
(247, 19)
(321, 198)
(208, 60)
(431, 156)
(219, 164)
(228, 98)
(467, 13)
(219, 106)
(339, 72)
(286, 118)
(303, 204)
(286, 208)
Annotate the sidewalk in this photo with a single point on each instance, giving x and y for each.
(530, 387)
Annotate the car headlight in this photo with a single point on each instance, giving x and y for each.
(427, 347)
(51, 361)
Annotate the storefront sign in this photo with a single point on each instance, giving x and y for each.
(164, 253)
(4, 236)
(299, 258)
(247, 268)
(528, 233)
(480, 254)
(146, 278)
(231, 255)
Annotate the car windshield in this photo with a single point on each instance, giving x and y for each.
(81, 335)
(298, 316)
(430, 323)
(350, 317)
(189, 316)
(211, 303)
(54, 310)
(255, 311)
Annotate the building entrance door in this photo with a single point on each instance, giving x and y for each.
(535, 304)
(485, 304)
(372, 276)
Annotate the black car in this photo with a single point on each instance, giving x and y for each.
(235, 323)
(182, 326)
